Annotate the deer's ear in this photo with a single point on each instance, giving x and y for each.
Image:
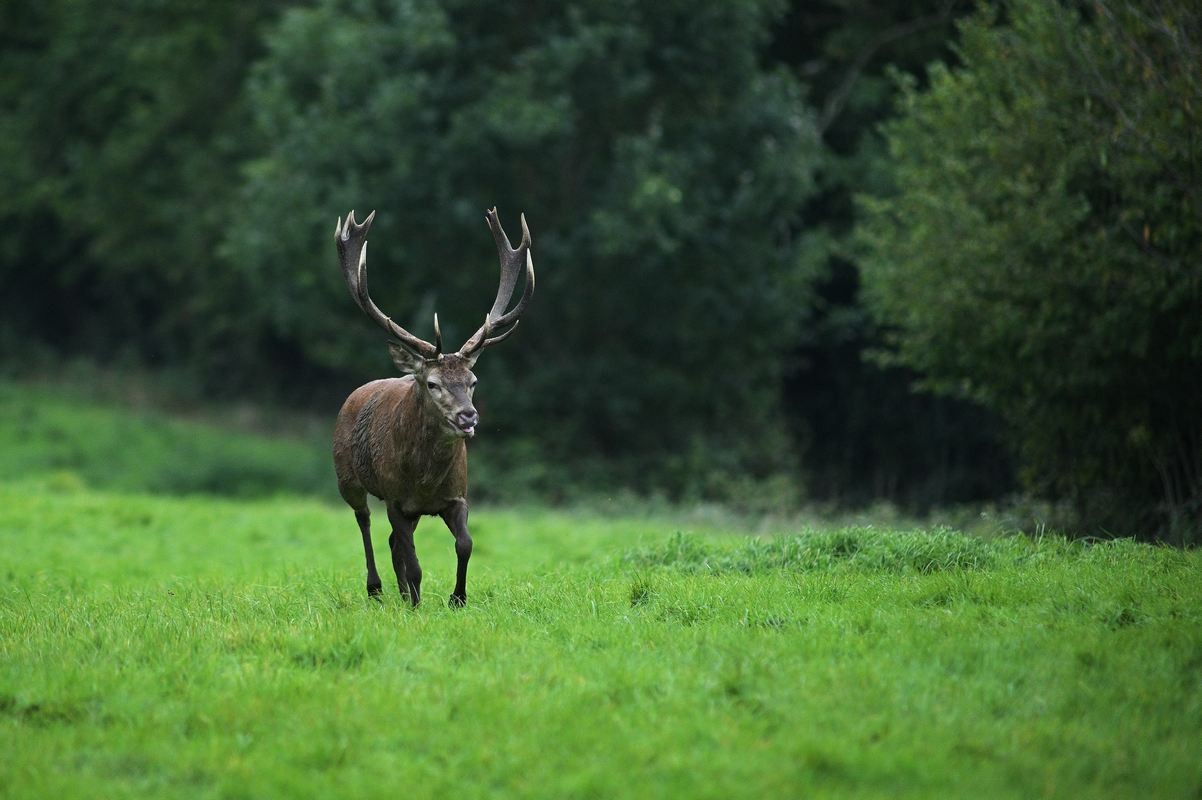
(407, 361)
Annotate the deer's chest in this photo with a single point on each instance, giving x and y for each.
(422, 483)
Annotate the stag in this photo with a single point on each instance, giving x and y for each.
(404, 440)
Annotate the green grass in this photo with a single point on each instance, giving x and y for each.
(167, 646)
(51, 428)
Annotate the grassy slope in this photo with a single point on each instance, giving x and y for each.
(158, 646)
(53, 429)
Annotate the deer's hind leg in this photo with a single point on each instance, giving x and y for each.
(356, 498)
(404, 554)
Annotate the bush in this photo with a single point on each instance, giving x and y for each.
(1039, 249)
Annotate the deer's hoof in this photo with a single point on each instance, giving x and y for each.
(457, 601)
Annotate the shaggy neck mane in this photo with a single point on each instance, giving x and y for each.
(422, 440)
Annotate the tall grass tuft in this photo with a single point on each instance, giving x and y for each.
(922, 552)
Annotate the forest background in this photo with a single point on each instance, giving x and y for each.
(839, 253)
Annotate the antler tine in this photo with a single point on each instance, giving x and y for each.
(500, 337)
(512, 262)
(351, 238)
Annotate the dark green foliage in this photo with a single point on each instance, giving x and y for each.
(119, 139)
(1039, 249)
(663, 171)
(862, 432)
(168, 202)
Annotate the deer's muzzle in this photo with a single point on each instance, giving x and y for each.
(465, 422)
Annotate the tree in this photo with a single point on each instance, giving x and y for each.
(119, 145)
(1038, 250)
(662, 168)
(864, 434)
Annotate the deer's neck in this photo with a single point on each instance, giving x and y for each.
(422, 437)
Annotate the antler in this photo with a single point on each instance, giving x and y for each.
(512, 262)
(351, 238)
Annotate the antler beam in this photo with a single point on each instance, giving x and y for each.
(512, 262)
(351, 238)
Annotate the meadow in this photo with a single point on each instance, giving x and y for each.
(165, 633)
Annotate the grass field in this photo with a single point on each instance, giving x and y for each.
(161, 645)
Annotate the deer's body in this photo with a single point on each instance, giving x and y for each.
(387, 445)
(404, 440)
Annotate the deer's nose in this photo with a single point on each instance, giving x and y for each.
(467, 418)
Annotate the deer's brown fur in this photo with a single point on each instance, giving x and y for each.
(388, 445)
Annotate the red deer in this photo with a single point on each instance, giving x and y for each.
(404, 439)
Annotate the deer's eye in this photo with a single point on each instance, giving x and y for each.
(472, 387)
(432, 386)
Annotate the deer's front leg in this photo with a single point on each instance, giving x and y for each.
(404, 555)
(455, 516)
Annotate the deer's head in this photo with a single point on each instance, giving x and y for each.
(444, 380)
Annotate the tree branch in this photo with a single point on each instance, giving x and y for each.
(838, 98)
